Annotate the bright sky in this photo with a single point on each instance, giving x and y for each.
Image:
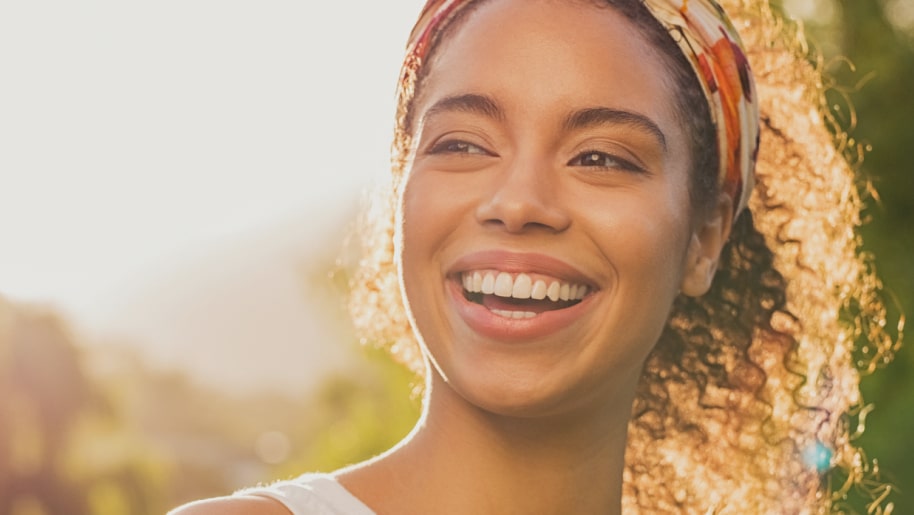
(132, 131)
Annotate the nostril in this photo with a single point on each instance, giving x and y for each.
(524, 196)
(520, 216)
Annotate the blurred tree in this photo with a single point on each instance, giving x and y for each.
(94, 431)
(49, 462)
(190, 440)
(44, 390)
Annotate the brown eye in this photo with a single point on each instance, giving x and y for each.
(595, 158)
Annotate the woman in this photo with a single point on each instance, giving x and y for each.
(570, 176)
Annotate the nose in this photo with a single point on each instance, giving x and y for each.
(523, 197)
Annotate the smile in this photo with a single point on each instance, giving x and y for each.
(520, 295)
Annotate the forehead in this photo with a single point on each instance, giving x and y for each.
(534, 53)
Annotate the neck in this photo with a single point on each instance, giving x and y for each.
(462, 459)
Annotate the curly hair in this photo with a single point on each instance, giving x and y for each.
(750, 401)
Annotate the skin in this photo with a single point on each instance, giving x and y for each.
(543, 136)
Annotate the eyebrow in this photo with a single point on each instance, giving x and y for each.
(581, 119)
(595, 116)
(467, 103)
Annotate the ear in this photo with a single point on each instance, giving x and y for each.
(708, 238)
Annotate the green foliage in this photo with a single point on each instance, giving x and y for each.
(358, 416)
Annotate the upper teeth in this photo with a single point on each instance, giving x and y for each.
(521, 286)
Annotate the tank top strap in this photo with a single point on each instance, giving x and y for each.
(312, 494)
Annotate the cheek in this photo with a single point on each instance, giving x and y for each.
(412, 233)
(433, 206)
(428, 217)
(645, 242)
(431, 215)
(658, 241)
(420, 212)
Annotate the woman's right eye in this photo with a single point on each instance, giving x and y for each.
(457, 147)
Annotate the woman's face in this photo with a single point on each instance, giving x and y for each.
(546, 223)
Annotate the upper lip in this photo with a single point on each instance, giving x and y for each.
(520, 262)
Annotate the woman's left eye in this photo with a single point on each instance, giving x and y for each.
(595, 158)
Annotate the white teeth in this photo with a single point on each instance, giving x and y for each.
(553, 291)
(563, 293)
(513, 314)
(488, 284)
(503, 285)
(539, 290)
(521, 286)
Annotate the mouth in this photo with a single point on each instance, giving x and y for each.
(520, 295)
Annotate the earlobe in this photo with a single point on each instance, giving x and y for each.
(698, 277)
(705, 245)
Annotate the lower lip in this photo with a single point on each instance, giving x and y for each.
(490, 325)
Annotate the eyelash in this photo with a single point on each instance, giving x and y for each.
(602, 158)
(449, 147)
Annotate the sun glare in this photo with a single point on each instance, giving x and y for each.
(133, 134)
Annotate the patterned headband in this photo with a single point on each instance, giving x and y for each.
(712, 46)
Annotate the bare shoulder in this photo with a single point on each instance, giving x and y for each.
(235, 505)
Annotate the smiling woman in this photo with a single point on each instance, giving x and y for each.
(609, 316)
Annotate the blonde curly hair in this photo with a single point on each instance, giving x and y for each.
(750, 402)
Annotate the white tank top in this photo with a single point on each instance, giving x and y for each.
(312, 494)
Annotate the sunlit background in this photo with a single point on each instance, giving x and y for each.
(177, 179)
(171, 164)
